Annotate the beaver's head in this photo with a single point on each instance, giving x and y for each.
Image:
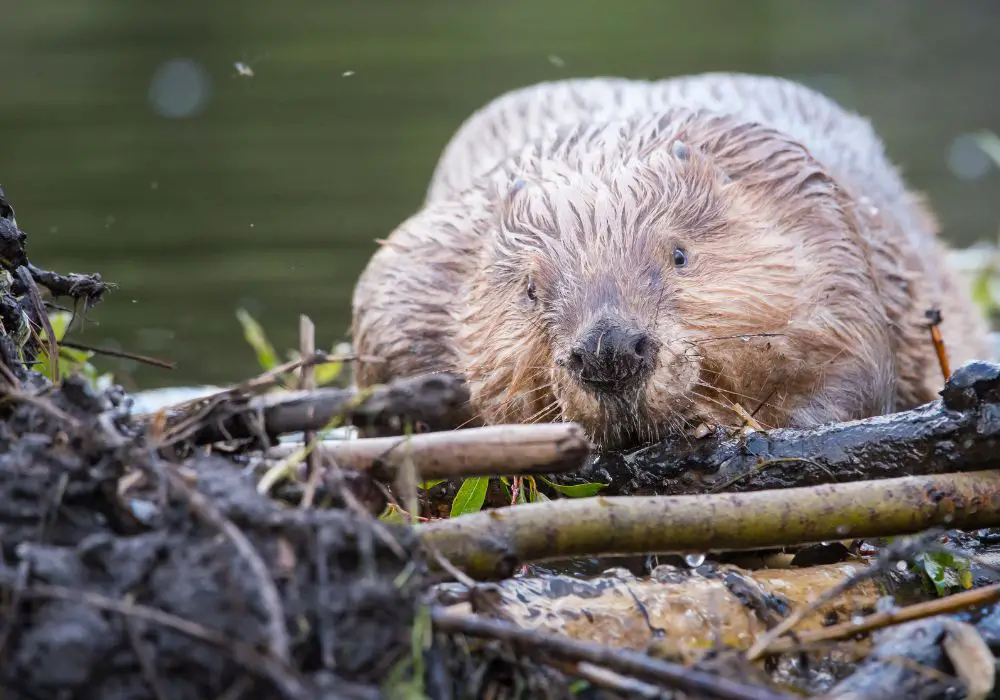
(645, 296)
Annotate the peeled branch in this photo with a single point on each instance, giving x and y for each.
(544, 448)
(494, 543)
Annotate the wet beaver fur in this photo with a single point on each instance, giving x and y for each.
(639, 256)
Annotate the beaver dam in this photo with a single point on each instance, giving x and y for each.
(190, 553)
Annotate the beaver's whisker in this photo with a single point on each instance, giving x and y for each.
(737, 395)
(739, 336)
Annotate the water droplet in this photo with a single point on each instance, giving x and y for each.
(966, 159)
(179, 88)
(694, 560)
(857, 619)
(948, 517)
(901, 565)
(557, 61)
(843, 529)
(347, 73)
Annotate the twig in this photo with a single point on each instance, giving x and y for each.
(206, 511)
(602, 677)
(887, 618)
(147, 664)
(145, 359)
(902, 549)
(42, 404)
(432, 399)
(89, 288)
(16, 593)
(307, 381)
(31, 290)
(622, 661)
(278, 671)
(934, 324)
(542, 448)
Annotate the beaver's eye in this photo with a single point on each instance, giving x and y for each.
(680, 258)
(532, 294)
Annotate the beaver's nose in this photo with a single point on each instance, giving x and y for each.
(610, 355)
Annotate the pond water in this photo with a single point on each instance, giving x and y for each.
(213, 156)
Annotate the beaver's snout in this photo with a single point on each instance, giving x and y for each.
(611, 355)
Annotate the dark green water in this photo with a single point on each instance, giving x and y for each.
(269, 196)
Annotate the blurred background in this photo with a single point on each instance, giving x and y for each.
(215, 155)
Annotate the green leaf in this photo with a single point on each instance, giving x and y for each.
(981, 293)
(945, 571)
(392, 515)
(254, 334)
(328, 373)
(60, 324)
(430, 483)
(576, 490)
(536, 496)
(470, 496)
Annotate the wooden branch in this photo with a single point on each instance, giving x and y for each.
(433, 400)
(543, 448)
(960, 432)
(493, 543)
(699, 683)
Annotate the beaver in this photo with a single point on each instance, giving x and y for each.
(647, 257)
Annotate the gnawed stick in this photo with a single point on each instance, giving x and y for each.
(493, 543)
(543, 448)
(433, 399)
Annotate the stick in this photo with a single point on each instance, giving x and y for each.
(493, 543)
(543, 448)
(949, 604)
(307, 382)
(432, 399)
(699, 683)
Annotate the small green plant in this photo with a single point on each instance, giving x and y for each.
(472, 493)
(70, 360)
(945, 571)
(268, 358)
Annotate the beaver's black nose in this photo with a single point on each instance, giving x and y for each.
(611, 355)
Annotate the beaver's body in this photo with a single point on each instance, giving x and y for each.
(637, 256)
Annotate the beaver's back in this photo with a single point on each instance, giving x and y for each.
(844, 142)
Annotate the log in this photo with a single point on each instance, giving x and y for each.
(958, 432)
(494, 543)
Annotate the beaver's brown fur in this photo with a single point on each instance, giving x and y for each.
(737, 238)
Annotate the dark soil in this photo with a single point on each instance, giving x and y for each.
(68, 540)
